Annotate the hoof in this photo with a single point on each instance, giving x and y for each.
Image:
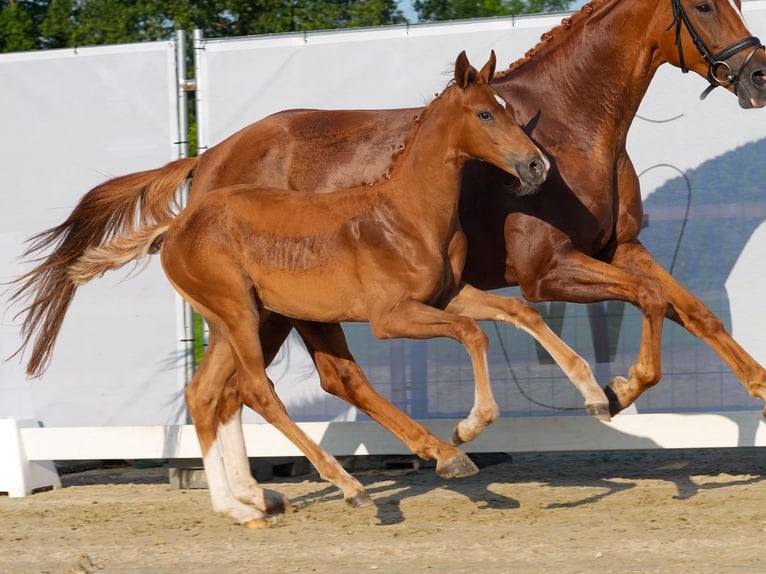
(601, 412)
(614, 403)
(456, 440)
(458, 466)
(359, 500)
(256, 523)
(276, 502)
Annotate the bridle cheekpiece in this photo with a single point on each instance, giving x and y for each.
(716, 62)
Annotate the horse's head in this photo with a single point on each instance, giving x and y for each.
(710, 37)
(488, 129)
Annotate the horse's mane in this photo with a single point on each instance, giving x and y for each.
(552, 34)
(546, 38)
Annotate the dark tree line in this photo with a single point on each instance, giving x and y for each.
(41, 24)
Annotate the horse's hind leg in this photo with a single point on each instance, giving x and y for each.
(483, 306)
(341, 376)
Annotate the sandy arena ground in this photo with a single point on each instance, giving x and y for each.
(628, 512)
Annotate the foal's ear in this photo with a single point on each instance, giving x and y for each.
(464, 72)
(488, 71)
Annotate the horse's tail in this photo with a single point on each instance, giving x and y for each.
(110, 211)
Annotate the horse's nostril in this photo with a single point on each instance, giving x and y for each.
(759, 79)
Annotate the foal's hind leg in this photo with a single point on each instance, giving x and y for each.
(483, 306)
(202, 395)
(238, 317)
(274, 330)
(341, 376)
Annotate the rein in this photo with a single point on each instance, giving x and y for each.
(716, 62)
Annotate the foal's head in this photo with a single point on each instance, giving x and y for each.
(487, 128)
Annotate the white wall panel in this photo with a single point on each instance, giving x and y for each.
(70, 120)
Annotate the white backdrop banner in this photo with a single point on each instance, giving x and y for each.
(72, 119)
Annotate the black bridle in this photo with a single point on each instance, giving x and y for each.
(716, 62)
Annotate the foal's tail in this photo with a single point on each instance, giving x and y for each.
(108, 214)
(98, 260)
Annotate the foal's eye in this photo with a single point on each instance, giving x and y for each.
(485, 116)
(703, 8)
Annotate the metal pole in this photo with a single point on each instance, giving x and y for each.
(202, 136)
(184, 86)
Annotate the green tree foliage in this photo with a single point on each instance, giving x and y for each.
(16, 28)
(431, 10)
(38, 24)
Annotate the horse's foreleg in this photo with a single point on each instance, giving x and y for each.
(695, 317)
(414, 320)
(483, 306)
(578, 278)
(341, 376)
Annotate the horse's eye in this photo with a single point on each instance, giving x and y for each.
(485, 116)
(703, 8)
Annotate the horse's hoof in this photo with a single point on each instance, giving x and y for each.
(600, 411)
(359, 500)
(256, 523)
(459, 466)
(614, 403)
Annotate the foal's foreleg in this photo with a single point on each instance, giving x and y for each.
(483, 306)
(414, 320)
(695, 317)
(341, 376)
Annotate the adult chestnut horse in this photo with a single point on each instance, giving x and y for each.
(392, 255)
(577, 240)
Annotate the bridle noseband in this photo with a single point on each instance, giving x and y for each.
(716, 62)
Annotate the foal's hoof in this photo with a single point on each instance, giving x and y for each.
(600, 411)
(359, 500)
(276, 502)
(459, 466)
(256, 523)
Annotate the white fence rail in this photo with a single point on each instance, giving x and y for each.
(25, 448)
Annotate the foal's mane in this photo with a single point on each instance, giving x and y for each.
(553, 35)
(417, 121)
